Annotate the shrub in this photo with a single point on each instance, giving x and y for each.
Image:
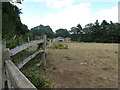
(59, 45)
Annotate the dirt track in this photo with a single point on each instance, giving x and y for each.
(87, 65)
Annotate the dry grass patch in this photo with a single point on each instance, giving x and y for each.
(88, 65)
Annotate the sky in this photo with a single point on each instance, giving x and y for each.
(67, 13)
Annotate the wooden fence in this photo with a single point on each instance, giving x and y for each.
(10, 74)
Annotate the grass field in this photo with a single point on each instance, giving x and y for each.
(84, 65)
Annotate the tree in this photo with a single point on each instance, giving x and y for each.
(104, 32)
(114, 33)
(105, 28)
(86, 33)
(12, 28)
(76, 33)
(41, 29)
(62, 33)
(11, 24)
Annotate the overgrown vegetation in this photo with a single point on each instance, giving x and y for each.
(21, 56)
(30, 70)
(35, 73)
(39, 80)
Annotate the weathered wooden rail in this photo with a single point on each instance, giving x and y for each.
(28, 59)
(24, 46)
(10, 73)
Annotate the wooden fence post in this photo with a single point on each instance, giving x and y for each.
(6, 74)
(1, 66)
(28, 39)
(44, 47)
(2, 62)
(5, 56)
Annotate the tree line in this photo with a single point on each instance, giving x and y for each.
(16, 33)
(93, 32)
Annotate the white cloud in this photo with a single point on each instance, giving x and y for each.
(108, 14)
(18, 5)
(29, 21)
(56, 3)
(66, 18)
(71, 16)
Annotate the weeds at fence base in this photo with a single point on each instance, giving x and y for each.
(31, 71)
(39, 80)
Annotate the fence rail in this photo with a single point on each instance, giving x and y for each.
(16, 78)
(10, 73)
(28, 59)
(24, 46)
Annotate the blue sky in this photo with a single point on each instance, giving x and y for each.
(67, 13)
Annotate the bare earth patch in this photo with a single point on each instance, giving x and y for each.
(88, 65)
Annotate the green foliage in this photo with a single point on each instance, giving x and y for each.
(34, 76)
(15, 42)
(59, 45)
(76, 33)
(103, 33)
(41, 29)
(62, 33)
(96, 32)
(11, 25)
(37, 78)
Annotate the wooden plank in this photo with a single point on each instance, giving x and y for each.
(1, 66)
(43, 47)
(17, 77)
(24, 46)
(1, 62)
(5, 56)
(28, 59)
(9, 83)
